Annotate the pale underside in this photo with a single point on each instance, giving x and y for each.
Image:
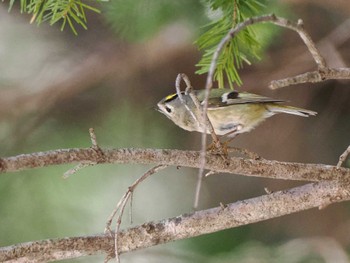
(245, 118)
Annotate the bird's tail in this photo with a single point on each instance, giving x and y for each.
(275, 108)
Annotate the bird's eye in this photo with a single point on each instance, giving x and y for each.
(167, 109)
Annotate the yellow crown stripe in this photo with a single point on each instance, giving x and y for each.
(171, 96)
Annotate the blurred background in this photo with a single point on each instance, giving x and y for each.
(54, 86)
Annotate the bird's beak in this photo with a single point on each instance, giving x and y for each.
(156, 108)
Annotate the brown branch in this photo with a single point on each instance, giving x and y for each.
(327, 45)
(93, 139)
(82, 165)
(312, 77)
(343, 157)
(204, 123)
(208, 126)
(201, 123)
(122, 203)
(234, 165)
(189, 225)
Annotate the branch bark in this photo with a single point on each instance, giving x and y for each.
(184, 226)
(312, 77)
(233, 165)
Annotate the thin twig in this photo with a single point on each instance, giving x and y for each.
(197, 103)
(209, 173)
(131, 209)
(204, 122)
(76, 168)
(304, 35)
(343, 157)
(312, 77)
(122, 203)
(118, 223)
(82, 165)
(178, 89)
(199, 182)
(206, 125)
(179, 94)
(93, 138)
(204, 128)
(337, 37)
(329, 43)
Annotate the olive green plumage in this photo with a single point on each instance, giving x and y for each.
(230, 112)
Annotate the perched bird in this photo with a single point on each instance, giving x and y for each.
(230, 112)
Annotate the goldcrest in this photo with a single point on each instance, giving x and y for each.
(230, 112)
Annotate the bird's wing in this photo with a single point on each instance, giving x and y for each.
(224, 97)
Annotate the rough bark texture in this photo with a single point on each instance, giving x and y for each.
(248, 167)
(184, 226)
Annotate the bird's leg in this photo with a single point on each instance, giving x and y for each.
(232, 134)
(224, 145)
(249, 154)
(214, 149)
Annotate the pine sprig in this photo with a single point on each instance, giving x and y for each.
(240, 49)
(71, 12)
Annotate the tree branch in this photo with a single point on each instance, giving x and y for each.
(312, 77)
(122, 203)
(343, 157)
(188, 225)
(234, 165)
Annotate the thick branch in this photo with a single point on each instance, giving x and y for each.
(189, 225)
(235, 165)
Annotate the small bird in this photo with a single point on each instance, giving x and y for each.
(230, 112)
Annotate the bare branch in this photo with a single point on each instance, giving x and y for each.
(234, 165)
(122, 203)
(204, 123)
(322, 74)
(93, 138)
(189, 225)
(75, 169)
(179, 94)
(343, 157)
(312, 77)
(304, 36)
(82, 165)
